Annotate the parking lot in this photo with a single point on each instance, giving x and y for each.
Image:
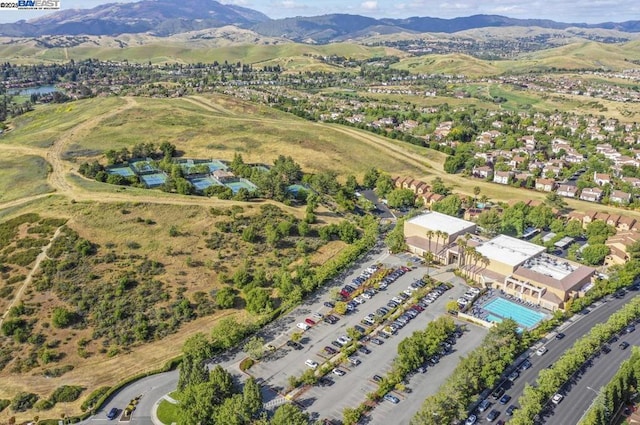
(328, 398)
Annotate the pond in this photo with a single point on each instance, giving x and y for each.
(31, 90)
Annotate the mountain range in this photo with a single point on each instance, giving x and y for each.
(166, 17)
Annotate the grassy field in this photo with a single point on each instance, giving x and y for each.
(22, 175)
(168, 413)
(41, 127)
(259, 135)
(171, 50)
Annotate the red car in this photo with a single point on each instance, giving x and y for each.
(417, 308)
(309, 321)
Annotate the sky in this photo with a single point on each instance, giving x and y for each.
(576, 11)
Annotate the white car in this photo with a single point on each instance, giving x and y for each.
(540, 351)
(312, 364)
(366, 296)
(557, 398)
(359, 299)
(303, 326)
(318, 316)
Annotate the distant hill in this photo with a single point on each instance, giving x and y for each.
(340, 27)
(163, 18)
(159, 17)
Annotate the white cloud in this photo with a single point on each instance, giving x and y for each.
(369, 5)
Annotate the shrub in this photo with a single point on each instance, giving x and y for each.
(66, 394)
(246, 363)
(43, 405)
(4, 403)
(92, 398)
(23, 401)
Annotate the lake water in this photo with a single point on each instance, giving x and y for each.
(31, 90)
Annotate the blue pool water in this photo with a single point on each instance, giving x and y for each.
(492, 318)
(506, 309)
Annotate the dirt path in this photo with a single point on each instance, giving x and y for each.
(57, 178)
(208, 105)
(18, 297)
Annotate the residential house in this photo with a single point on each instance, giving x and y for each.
(591, 194)
(633, 181)
(482, 172)
(618, 245)
(601, 179)
(620, 197)
(567, 191)
(625, 224)
(545, 185)
(502, 177)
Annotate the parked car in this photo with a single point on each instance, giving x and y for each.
(364, 350)
(391, 398)
(560, 335)
(624, 345)
(309, 322)
(377, 341)
(512, 408)
(484, 405)
(513, 376)
(493, 415)
(505, 399)
(294, 345)
(339, 372)
(354, 360)
(112, 413)
(497, 393)
(471, 420)
(303, 326)
(310, 363)
(377, 378)
(330, 350)
(329, 304)
(526, 364)
(337, 344)
(557, 398)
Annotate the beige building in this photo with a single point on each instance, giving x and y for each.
(522, 269)
(436, 233)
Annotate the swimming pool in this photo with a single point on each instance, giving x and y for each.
(491, 318)
(506, 309)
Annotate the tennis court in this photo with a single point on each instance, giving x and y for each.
(154, 180)
(201, 183)
(236, 186)
(142, 167)
(121, 171)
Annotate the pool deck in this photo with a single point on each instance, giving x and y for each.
(477, 311)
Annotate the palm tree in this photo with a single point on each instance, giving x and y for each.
(462, 244)
(428, 257)
(430, 234)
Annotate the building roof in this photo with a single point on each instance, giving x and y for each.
(434, 220)
(508, 250)
(554, 272)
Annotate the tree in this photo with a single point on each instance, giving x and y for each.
(222, 383)
(438, 186)
(252, 398)
(232, 411)
(490, 221)
(257, 300)
(351, 184)
(62, 318)
(195, 351)
(341, 307)
(384, 185)
(225, 297)
(370, 178)
(595, 254)
(401, 198)
(227, 333)
(288, 414)
(556, 201)
(254, 347)
(450, 205)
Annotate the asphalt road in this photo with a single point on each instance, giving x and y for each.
(578, 326)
